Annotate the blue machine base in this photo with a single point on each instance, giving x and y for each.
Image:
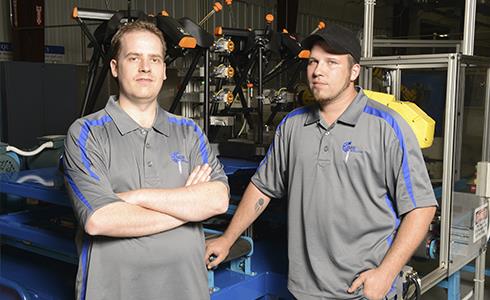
(35, 276)
(44, 278)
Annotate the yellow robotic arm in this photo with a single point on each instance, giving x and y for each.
(422, 125)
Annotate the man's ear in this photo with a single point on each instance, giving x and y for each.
(114, 68)
(354, 73)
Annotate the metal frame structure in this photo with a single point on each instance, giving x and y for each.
(368, 41)
(406, 43)
(455, 63)
(480, 271)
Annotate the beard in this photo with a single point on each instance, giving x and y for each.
(322, 100)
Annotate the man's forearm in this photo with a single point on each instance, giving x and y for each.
(191, 203)
(412, 231)
(121, 219)
(251, 206)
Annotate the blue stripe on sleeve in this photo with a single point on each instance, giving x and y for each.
(82, 141)
(395, 216)
(392, 122)
(84, 257)
(77, 191)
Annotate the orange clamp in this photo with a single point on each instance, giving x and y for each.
(269, 18)
(188, 42)
(217, 6)
(74, 13)
(218, 31)
(304, 54)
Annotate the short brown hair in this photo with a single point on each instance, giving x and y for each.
(135, 26)
(352, 61)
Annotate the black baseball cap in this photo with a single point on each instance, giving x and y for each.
(338, 38)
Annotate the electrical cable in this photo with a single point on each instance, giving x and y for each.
(243, 127)
(414, 280)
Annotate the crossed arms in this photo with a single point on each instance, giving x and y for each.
(149, 211)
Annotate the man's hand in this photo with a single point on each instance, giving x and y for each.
(199, 175)
(376, 283)
(218, 249)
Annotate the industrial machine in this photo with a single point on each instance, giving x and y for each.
(236, 83)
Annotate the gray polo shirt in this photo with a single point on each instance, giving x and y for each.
(108, 152)
(348, 184)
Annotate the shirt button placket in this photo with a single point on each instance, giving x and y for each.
(325, 155)
(147, 155)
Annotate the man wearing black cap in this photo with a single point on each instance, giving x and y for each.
(359, 196)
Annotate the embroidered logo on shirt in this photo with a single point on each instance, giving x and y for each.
(178, 158)
(347, 147)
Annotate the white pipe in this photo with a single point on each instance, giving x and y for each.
(31, 153)
(243, 127)
(468, 296)
(36, 179)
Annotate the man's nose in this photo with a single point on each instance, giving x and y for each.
(144, 65)
(319, 69)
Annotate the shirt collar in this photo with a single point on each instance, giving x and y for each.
(354, 110)
(125, 123)
(161, 122)
(313, 115)
(349, 116)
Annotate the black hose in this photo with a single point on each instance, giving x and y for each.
(412, 278)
